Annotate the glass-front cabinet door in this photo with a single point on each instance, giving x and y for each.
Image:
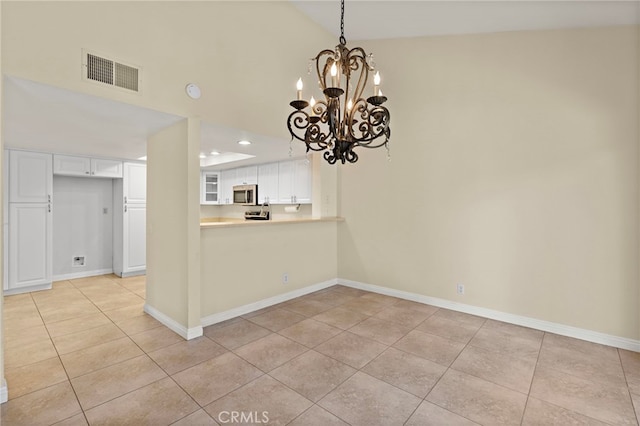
(210, 188)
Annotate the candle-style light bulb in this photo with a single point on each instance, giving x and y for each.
(299, 87)
(349, 105)
(376, 84)
(312, 103)
(380, 92)
(334, 75)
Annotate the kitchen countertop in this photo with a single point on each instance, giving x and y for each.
(215, 222)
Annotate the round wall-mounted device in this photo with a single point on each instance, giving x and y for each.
(193, 91)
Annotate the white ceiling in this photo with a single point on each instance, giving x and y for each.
(50, 119)
(366, 19)
(45, 118)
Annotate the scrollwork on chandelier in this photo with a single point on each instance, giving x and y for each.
(338, 124)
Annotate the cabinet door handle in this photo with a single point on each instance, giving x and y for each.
(125, 208)
(49, 207)
(125, 200)
(49, 198)
(86, 173)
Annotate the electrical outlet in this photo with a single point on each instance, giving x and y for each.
(285, 278)
(460, 289)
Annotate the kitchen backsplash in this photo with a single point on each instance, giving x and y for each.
(234, 211)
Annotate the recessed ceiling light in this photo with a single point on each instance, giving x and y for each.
(203, 156)
(243, 142)
(215, 153)
(144, 158)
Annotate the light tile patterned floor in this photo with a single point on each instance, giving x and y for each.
(86, 353)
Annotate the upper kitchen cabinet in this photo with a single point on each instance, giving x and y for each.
(232, 177)
(30, 177)
(210, 188)
(246, 175)
(82, 166)
(294, 182)
(101, 167)
(135, 183)
(268, 183)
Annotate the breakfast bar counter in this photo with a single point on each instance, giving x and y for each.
(225, 222)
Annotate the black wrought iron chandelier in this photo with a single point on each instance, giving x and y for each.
(340, 123)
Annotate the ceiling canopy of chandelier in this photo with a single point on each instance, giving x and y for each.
(344, 120)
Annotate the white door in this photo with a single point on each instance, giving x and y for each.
(134, 238)
(30, 247)
(30, 177)
(135, 183)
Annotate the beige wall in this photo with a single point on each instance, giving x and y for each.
(173, 223)
(514, 172)
(168, 249)
(242, 265)
(231, 49)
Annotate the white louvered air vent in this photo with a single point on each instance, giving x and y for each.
(111, 72)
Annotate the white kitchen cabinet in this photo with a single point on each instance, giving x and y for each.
(29, 257)
(30, 177)
(210, 188)
(294, 182)
(130, 221)
(134, 249)
(227, 181)
(134, 181)
(30, 245)
(246, 175)
(68, 165)
(101, 167)
(268, 183)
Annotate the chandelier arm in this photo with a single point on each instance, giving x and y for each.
(374, 124)
(323, 75)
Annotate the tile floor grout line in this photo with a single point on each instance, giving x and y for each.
(624, 374)
(55, 348)
(90, 372)
(449, 367)
(526, 403)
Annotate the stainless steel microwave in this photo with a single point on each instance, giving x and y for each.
(246, 195)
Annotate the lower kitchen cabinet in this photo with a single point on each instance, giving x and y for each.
(30, 246)
(129, 240)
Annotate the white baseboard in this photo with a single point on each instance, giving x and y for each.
(4, 392)
(172, 324)
(551, 327)
(83, 274)
(236, 312)
(131, 274)
(28, 289)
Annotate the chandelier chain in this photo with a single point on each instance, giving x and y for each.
(342, 39)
